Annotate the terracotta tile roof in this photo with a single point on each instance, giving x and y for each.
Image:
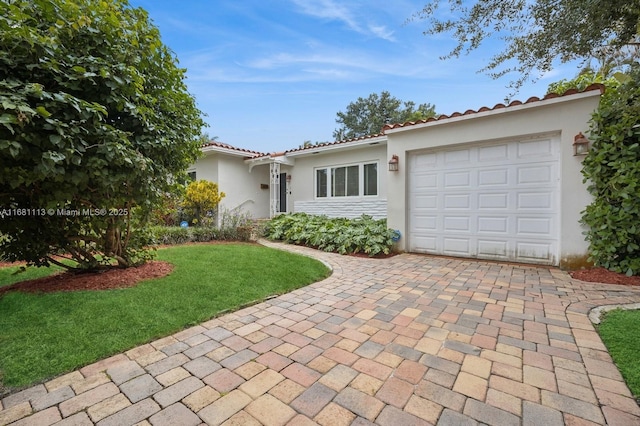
(231, 147)
(325, 144)
(592, 87)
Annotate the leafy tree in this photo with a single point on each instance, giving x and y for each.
(96, 122)
(583, 80)
(612, 169)
(536, 33)
(309, 144)
(368, 116)
(205, 138)
(167, 211)
(202, 197)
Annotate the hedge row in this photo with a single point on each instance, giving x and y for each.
(170, 235)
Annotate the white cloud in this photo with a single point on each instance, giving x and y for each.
(281, 60)
(331, 10)
(328, 9)
(326, 63)
(382, 32)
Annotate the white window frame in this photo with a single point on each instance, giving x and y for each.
(361, 183)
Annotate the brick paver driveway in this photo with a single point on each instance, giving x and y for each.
(410, 340)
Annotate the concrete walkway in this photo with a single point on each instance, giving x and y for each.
(410, 340)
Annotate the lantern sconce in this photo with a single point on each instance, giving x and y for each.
(393, 163)
(288, 178)
(580, 145)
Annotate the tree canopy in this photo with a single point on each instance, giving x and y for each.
(368, 116)
(536, 33)
(96, 121)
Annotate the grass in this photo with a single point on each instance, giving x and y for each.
(9, 275)
(44, 335)
(619, 332)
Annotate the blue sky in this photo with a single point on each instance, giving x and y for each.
(273, 74)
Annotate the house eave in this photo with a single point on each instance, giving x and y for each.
(338, 146)
(269, 159)
(221, 150)
(493, 112)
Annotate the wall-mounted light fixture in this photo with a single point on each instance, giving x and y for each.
(580, 145)
(288, 178)
(393, 163)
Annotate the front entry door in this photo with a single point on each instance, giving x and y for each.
(283, 193)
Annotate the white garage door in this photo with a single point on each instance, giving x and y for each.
(493, 201)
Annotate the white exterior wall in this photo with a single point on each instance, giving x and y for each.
(206, 168)
(302, 188)
(566, 116)
(242, 188)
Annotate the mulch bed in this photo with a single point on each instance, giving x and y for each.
(601, 275)
(101, 280)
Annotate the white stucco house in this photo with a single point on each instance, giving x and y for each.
(497, 183)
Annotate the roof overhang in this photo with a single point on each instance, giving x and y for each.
(498, 110)
(269, 159)
(214, 149)
(338, 146)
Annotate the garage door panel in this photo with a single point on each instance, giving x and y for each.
(457, 180)
(493, 153)
(457, 201)
(536, 252)
(425, 223)
(535, 201)
(534, 175)
(426, 181)
(496, 201)
(456, 246)
(456, 224)
(498, 225)
(457, 156)
(425, 244)
(427, 159)
(534, 226)
(535, 149)
(493, 177)
(426, 202)
(492, 248)
(493, 201)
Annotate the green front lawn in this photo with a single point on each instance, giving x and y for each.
(620, 332)
(9, 275)
(44, 335)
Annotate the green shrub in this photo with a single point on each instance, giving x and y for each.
(203, 234)
(170, 235)
(612, 169)
(341, 235)
(236, 225)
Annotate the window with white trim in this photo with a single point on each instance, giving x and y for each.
(353, 180)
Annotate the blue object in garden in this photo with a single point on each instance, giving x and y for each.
(184, 224)
(396, 235)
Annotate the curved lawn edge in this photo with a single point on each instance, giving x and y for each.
(47, 335)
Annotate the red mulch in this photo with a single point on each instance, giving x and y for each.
(102, 280)
(601, 275)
